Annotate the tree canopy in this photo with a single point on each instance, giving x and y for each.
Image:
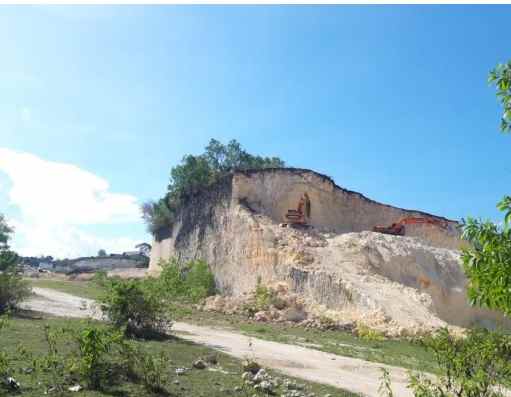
(198, 172)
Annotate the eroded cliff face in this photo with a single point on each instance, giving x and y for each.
(338, 266)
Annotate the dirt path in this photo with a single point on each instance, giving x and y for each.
(352, 374)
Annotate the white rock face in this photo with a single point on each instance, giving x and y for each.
(398, 284)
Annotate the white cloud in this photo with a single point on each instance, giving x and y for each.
(55, 199)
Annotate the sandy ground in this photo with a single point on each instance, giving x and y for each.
(347, 373)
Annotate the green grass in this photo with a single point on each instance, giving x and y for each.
(84, 289)
(398, 352)
(207, 383)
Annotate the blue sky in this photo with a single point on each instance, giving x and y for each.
(391, 101)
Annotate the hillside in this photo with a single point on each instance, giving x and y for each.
(336, 266)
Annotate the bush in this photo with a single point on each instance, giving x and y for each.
(4, 358)
(100, 278)
(472, 366)
(13, 288)
(199, 282)
(154, 372)
(134, 307)
(92, 364)
(368, 334)
(192, 282)
(53, 365)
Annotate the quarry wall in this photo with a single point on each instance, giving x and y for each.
(337, 264)
(273, 192)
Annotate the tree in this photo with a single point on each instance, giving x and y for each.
(101, 252)
(487, 262)
(12, 287)
(196, 173)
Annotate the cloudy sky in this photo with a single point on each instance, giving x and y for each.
(97, 104)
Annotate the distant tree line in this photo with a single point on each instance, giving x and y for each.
(196, 173)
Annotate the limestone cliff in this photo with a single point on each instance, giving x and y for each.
(337, 264)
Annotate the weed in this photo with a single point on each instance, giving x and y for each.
(368, 334)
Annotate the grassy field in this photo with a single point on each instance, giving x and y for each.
(84, 289)
(402, 353)
(219, 380)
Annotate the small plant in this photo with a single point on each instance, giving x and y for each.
(385, 388)
(266, 297)
(154, 372)
(53, 364)
(94, 346)
(100, 278)
(368, 334)
(4, 358)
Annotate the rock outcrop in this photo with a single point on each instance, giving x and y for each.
(338, 266)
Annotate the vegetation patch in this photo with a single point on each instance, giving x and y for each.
(133, 367)
(196, 173)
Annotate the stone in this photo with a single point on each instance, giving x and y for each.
(75, 388)
(261, 316)
(264, 386)
(12, 383)
(199, 364)
(251, 366)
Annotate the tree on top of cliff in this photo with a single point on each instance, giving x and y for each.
(197, 172)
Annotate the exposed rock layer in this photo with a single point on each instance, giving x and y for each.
(338, 266)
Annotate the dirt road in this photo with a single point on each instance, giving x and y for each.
(347, 373)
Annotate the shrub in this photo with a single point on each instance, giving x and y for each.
(472, 366)
(191, 282)
(92, 363)
(368, 334)
(100, 278)
(4, 358)
(199, 282)
(154, 372)
(385, 388)
(54, 364)
(133, 306)
(13, 288)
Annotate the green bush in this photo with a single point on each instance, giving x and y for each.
(474, 365)
(192, 282)
(135, 307)
(93, 363)
(13, 288)
(4, 358)
(154, 372)
(54, 365)
(199, 281)
(368, 334)
(100, 278)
